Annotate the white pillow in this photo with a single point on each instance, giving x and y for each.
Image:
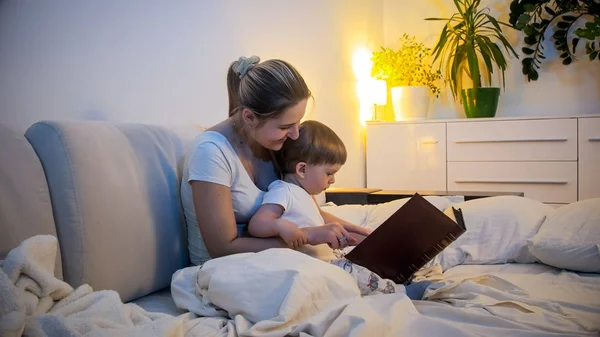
(497, 231)
(570, 238)
(381, 212)
(356, 214)
(373, 215)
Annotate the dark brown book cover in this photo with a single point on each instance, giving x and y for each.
(408, 240)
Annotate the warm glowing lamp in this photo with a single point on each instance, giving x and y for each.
(378, 92)
(362, 64)
(378, 95)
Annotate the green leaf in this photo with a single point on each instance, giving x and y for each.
(500, 60)
(533, 75)
(593, 55)
(549, 10)
(590, 25)
(527, 51)
(524, 17)
(564, 55)
(487, 56)
(569, 18)
(529, 7)
(507, 45)
(494, 22)
(584, 34)
(455, 76)
(530, 40)
(437, 19)
(441, 43)
(567, 61)
(575, 42)
(529, 30)
(563, 25)
(559, 34)
(473, 65)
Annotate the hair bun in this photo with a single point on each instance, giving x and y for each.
(244, 64)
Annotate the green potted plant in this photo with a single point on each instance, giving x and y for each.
(535, 17)
(410, 76)
(471, 44)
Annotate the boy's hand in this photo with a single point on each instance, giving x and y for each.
(292, 235)
(332, 234)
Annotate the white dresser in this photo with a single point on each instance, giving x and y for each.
(554, 160)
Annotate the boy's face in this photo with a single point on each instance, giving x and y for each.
(317, 178)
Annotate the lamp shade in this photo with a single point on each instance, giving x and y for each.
(378, 92)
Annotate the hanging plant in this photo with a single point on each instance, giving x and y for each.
(534, 17)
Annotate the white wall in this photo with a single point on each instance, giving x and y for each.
(560, 90)
(165, 62)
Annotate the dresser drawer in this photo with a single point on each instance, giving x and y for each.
(589, 158)
(522, 140)
(406, 156)
(550, 182)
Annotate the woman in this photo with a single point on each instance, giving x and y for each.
(231, 165)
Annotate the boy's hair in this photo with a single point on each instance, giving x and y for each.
(317, 144)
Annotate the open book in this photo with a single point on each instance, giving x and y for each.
(408, 240)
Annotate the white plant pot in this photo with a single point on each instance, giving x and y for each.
(410, 103)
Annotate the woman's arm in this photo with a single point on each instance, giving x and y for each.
(214, 211)
(267, 222)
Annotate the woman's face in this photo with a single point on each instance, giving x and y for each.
(274, 131)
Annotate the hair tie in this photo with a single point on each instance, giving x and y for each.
(244, 64)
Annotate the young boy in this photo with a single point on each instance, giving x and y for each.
(309, 165)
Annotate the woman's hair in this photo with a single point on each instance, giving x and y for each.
(317, 144)
(266, 88)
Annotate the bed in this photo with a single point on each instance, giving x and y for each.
(524, 269)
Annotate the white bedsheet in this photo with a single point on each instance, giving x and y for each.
(470, 305)
(578, 294)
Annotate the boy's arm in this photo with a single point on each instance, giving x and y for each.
(266, 222)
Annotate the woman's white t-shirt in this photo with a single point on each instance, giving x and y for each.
(213, 159)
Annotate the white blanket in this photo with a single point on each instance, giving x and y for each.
(35, 303)
(271, 293)
(279, 291)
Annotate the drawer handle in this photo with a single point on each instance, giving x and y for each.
(429, 142)
(519, 140)
(594, 139)
(509, 181)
